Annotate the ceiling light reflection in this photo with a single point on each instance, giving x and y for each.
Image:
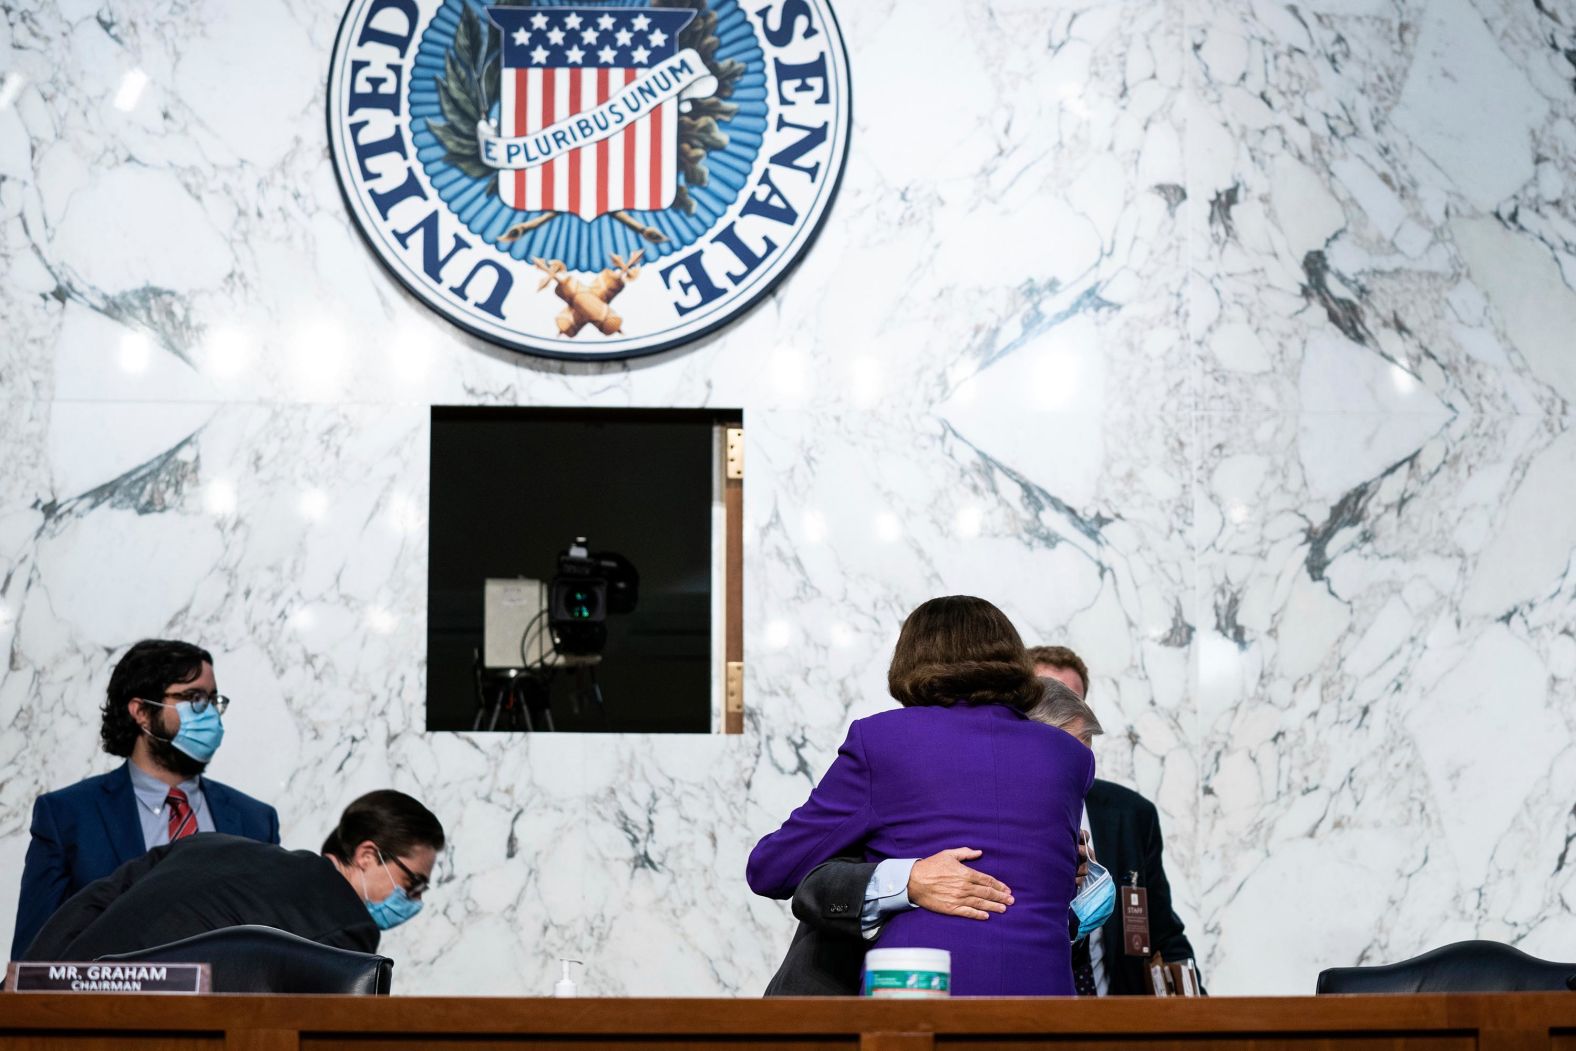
(130, 90)
(136, 352)
(787, 368)
(405, 515)
(971, 520)
(410, 358)
(226, 351)
(220, 497)
(318, 358)
(813, 525)
(11, 87)
(865, 381)
(313, 505)
(381, 620)
(1055, 381)
(779, 633)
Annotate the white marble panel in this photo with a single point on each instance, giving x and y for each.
(1373, 745)
(1229, 343)
(1382, 548)
(1342, 191)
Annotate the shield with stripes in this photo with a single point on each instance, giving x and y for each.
(589, 104)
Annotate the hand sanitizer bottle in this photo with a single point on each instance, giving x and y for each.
(566, 984)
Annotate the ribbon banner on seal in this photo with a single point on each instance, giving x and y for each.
(682, 77)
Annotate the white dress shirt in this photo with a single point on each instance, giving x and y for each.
(1102, 983)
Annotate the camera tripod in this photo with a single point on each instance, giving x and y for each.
(515, 700)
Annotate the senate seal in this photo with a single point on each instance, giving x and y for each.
(597, 180)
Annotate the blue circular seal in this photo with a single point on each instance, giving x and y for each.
(592, 180)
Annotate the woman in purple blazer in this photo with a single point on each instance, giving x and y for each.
(958, 764)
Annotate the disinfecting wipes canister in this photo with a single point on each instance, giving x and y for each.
(908, 972)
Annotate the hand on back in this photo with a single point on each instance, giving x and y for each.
(942, 884)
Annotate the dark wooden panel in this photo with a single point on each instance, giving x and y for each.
(107, 1040)
(1519, 1039)
(1207, 1042)
(897, 1042)
(263, 1040)
(1510, 1022)
(526, 1042)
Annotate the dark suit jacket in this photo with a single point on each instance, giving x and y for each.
(1126, 831)
(89, 829)
(204, 883)
(828, 949)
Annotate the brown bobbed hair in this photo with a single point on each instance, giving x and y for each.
(959, 649)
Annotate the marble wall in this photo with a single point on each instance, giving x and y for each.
(1230, 343)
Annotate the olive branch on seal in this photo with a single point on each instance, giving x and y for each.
(698, 132)
(469, 88)
(466, 92)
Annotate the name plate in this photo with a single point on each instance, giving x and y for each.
(109, 977)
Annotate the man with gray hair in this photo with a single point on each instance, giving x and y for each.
(1125, 838)
(1065, 709)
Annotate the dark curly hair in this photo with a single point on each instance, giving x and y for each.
(397, 823)
(147, 670)
(961, 649)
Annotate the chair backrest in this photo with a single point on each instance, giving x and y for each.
(254, 959)
(1461, 967)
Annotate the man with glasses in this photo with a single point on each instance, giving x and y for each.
(163, 713)
(369, 877)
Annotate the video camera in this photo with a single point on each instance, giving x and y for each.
(587, 587)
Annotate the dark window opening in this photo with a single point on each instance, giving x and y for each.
(511, 489)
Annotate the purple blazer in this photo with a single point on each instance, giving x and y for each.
(914, 781)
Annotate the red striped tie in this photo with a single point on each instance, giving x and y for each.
(183, 822)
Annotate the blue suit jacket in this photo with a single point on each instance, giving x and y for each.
(88, 830)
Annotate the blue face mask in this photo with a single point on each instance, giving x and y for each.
(394, 909)
(200, 733)
(1095, 902)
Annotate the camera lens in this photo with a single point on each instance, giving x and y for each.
(582, 603)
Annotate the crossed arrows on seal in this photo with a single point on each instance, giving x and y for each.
(588, 304)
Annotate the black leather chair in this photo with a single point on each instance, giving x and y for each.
(253, 959)
(1461, 967)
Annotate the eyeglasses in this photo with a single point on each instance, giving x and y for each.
(418, 884)
(198, 701)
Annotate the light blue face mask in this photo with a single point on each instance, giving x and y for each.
(200, 733)
(1095, 902)
(394, 909)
